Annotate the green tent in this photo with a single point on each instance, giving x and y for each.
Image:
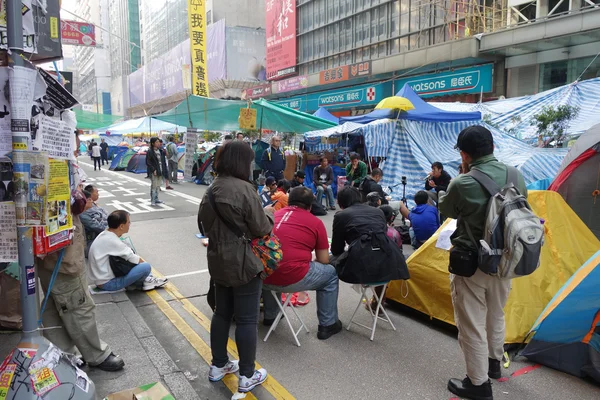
(88, 120)
(222, 115)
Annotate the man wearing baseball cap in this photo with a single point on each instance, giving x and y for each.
(478, 300)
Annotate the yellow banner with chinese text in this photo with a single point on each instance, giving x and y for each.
(197, 28)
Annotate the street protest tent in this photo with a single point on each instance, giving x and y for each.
(321, 140)
(118, 155)
(120, 163)
(566, 335)
(374, 115)
(326, 115)
(568, 244)
(222, 115)
(578, 179)
(515, 114)
(139, 125)
(137, 163)
(90, 121)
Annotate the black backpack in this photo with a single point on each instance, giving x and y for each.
(317, 209)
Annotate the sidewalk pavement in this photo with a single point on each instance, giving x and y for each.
(146, 361)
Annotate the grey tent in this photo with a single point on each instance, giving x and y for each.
(578, 179)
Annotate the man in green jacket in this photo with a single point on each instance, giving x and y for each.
(478, 300)
(356, 171)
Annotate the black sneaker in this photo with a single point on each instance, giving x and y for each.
(111, 364)
(494, 370)
(467, 390)
(325, 332)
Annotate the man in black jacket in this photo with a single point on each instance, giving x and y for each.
(104, 151)
(153, 163)
(298, 180)
(273, 160)
(371, 184)
(438, 180)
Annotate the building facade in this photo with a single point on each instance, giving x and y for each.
(163, 25)
(352, 53)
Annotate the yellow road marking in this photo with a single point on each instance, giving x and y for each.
(230, 380)
(271, 384)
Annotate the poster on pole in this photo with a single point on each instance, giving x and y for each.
(30, 176)
(191, 144)
(22, 87)
(197, 28)
(58, 202)
(29, 42)
(5, 132)
(8, 233)
(247, 118)
(54, 136)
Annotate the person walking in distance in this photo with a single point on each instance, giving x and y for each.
(153, 163)
(96, 154)
(235, 270)
(173, 159)
(104, 151)
(478, 299)
(273, 160)
(164, 165)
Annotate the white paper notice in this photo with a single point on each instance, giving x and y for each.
(443, 241)
(54, 136)
(22, 85)
(191, 145)
(8, 232)
(5, 133)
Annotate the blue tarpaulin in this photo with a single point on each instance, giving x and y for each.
(324, 114)
(426, 112)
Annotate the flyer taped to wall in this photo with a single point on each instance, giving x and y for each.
(30, 176)
(58, 205)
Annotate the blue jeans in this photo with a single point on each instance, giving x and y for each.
(329, 192)
(320, 277)
(135, 277)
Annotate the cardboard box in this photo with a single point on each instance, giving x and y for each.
(151, 391)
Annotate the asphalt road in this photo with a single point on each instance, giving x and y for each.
(413, 362)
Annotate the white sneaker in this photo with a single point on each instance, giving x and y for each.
(247, 384)
(151, 283)
(216, 374)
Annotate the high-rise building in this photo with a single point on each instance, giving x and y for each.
(92, 73)
(163, 25)
(346, 55)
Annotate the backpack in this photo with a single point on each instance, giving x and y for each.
(513, 236)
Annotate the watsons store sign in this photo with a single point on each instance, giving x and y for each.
(356, 97)
(466, 80)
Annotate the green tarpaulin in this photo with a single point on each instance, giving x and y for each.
(222, 115)
(88, 120)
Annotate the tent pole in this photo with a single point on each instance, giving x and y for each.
(187, 100)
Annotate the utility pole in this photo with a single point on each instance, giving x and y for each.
(36, 368)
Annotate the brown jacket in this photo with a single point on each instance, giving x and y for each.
(73, 262)
(231, 262)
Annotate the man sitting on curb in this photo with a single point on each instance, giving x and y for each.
(109, 243)
(300, 234)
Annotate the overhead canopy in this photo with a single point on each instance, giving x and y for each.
(348, 127)
(140, 125)
(89, 121)
(370, 117)
(426, 112)
(324, 114)
(222, 115)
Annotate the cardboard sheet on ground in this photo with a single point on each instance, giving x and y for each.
(152, 391)
(568, 245)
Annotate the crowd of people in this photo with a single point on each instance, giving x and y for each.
(365, 248)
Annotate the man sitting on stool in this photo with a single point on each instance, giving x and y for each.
(438, 180)
(300, 234)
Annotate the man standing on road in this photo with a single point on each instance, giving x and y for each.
(438, 180)
(153, 163)
(300, 234)
(164, 164)
(104, 151)
(173, 159)
(322, 179)
(478, 300)
(273, 160)
(96, 154)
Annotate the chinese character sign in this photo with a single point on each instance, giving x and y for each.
(281, 36)
(197, 27)
(77, 33)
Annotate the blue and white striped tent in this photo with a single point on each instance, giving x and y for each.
(415, 145)
(316, 141)
(515, 114)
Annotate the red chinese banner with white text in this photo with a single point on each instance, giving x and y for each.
(281, 38)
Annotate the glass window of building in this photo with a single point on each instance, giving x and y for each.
(553, 75)
(395, 18)
(404, 17)
(586, 68)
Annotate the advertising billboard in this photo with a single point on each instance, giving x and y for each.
(246, 54)
(345, 72)
(281, 38)
(77, 33)
(295, 83)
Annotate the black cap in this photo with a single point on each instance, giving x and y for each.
(473, 139)
(300, 174)
(270, 181)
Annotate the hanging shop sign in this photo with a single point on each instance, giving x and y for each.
(295, 83)
(345, 73)
(247, 118)
(466, 80)
(77, 33)
(258, 91)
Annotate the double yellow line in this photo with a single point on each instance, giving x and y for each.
(203, 349)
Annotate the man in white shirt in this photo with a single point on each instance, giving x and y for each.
(96, 156)
(108, 243)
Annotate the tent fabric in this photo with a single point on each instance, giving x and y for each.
(119, 153)
(140, 125)
(416, 145)
(123, 161)
(566, 335)
(378, 137)
(326, 115)
(370, 117)
(137, 164)
(222, 115)
(589, 139)
(542, 184)
(515, 114)
(426, 112)
(568, 244)
(90, 121)
(313, 139)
